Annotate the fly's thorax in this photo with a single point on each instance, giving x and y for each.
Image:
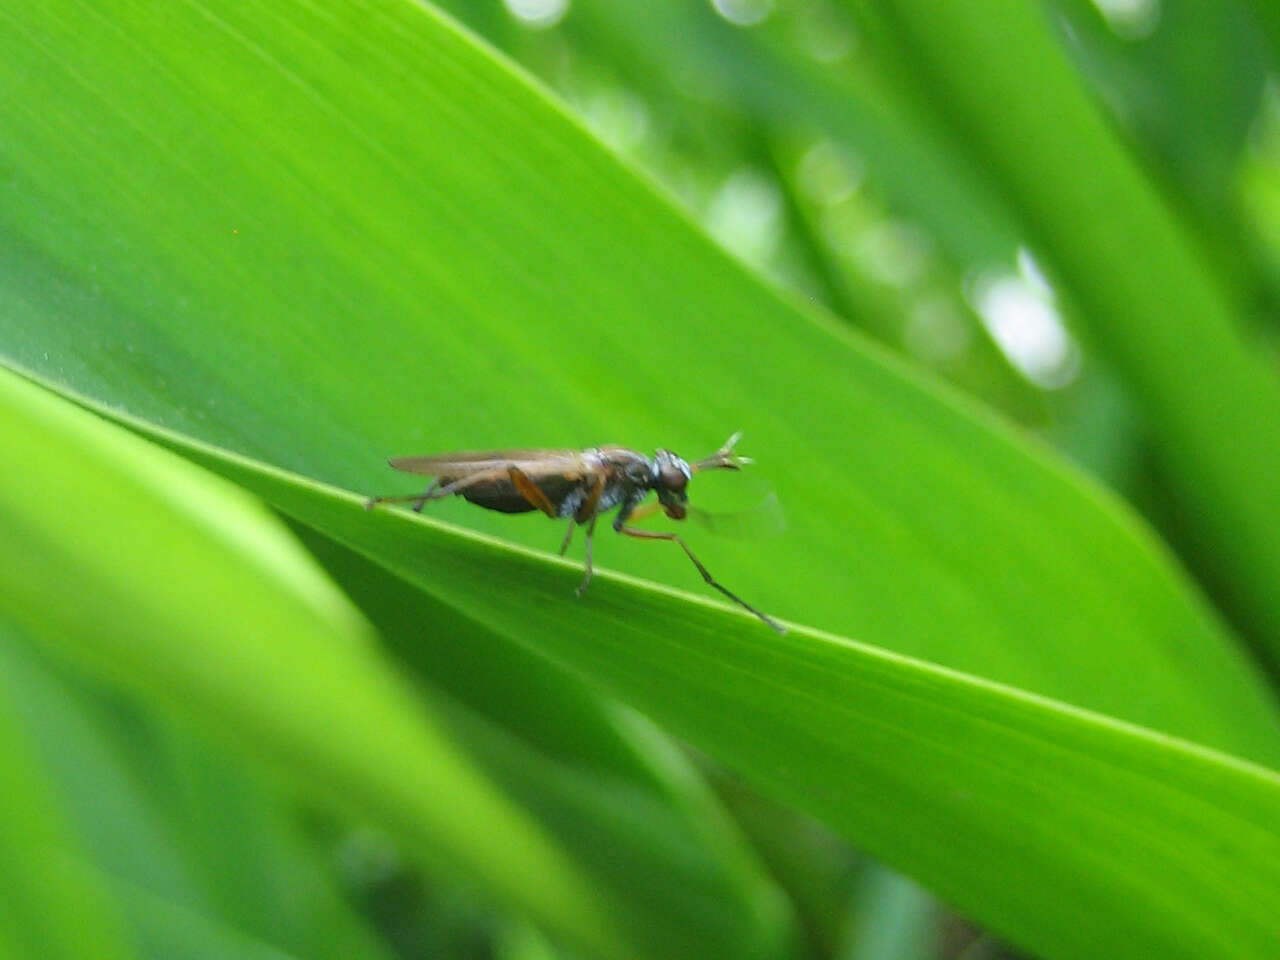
(619, 462)
(625, 469)
(614, 493)
(626, 476)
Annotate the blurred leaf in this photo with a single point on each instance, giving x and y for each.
(124, 833)
(228, 621)
(1184, 80)
(896, 920)
(522, 942)
(52, 909)
(253, 863)
(146, 825)
(1268, 16)
(170, 931)
(818, 868)
(1211, 404)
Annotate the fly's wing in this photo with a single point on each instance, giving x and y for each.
(535, 463)
(765, 519)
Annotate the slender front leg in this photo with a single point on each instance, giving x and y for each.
(588, 509)
(568, 535)
(706, 575)
(640, 513)
(586, 577)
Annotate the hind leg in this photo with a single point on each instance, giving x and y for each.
(437, 491)
(586, 577)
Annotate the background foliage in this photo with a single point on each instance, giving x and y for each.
(994, 301)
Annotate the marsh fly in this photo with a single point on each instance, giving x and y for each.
(577, 485)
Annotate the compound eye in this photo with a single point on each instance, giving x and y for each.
(674, 479)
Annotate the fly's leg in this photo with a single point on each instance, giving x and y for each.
(706, 575)
(568, 535)
(418, 498)
(529, 490)
(438, 492)
(426, 495)
(642, 512)
(588, 509)
(586, 577)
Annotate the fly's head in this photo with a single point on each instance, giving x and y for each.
(671, 474)
(670, 479)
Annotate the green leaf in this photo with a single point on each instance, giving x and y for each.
(169, 930)
(435, 257)
(896, 920)
(1186, 88)
(1211, 402)
(51, 907)
(1025, 812)
(228, 620)
(166, 812)
(612, 789)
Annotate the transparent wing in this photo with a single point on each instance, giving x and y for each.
(765, 519)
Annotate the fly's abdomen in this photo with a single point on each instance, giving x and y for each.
(501, 494)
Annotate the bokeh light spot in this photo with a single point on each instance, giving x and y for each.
(895, 253)
(828, 175)
(744, 13)
(1025, 324)
(1130, 19)
(745, 215)
(538, 14)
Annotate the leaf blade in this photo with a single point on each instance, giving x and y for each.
(938, 773)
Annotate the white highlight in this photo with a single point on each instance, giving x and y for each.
(538, 14)
(936, 331)
(618, 117)
(1019, 312)
(745, 215)
(828, 175)
(896, 253)
(1130, 19)
(744, 13)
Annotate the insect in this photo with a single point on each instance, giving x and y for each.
(577, 485)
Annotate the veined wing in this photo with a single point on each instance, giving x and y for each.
(568, 463)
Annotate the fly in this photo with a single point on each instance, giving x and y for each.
(577, 485)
